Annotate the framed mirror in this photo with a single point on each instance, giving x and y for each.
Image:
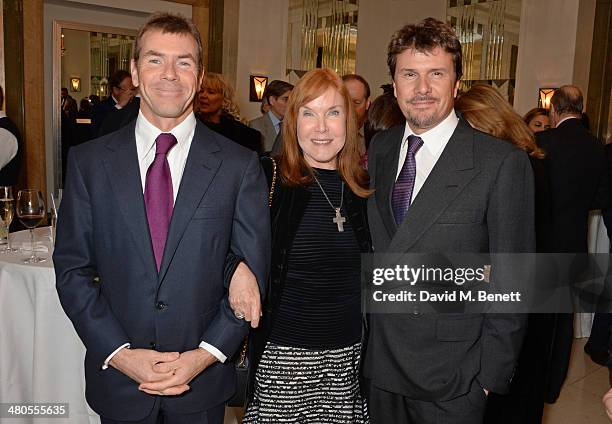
(84, 57)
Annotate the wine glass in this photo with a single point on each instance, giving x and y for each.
(31, 211)
(7, 208)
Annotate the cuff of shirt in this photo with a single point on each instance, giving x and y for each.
(108, 359)
(213, 351)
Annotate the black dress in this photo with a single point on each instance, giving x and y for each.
(236, 131)
(311, 332)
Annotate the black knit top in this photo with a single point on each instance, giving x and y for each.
(320, 306)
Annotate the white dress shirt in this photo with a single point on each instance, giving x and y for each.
(117, 105)
(434, 142)
(146, 133)
(565, 119)
(8, 144)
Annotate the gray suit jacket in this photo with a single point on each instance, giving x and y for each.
(478, 198)
(264, 125)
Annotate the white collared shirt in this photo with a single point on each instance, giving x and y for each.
(8, 144)
(566, 119)
(434, 142)
(146, 133)
(117, 105)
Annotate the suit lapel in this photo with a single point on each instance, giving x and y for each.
(200, 169)
(386, 167)
(121, 165)
(270, 130)
(452, 172)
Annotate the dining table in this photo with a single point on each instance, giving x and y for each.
(41, 355)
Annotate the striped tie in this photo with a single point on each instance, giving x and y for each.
(402, 190)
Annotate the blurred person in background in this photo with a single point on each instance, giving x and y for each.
(10, 147)
(487, 110)
(383, 114)
(537, 119)
(276, 95)
(359, 90)
(216, 106)
(122, 90)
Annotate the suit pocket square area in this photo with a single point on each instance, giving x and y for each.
(459, 217)
(210, 212)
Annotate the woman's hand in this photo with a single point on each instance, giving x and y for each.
(244, 297)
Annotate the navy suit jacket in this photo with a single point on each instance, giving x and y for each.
(107, 280)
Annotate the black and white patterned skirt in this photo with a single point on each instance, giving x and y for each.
(294, 385)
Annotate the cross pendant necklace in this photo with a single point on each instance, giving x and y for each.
(339, 220)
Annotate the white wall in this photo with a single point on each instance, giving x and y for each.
(124, 14)
(262, 42)
(553, 48)
(378, 20)
(584, 45)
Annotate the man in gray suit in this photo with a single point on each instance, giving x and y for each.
(441, 186)
(269, 125)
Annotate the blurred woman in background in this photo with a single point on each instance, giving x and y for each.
(538, 366)
(537, 119)
(216, 106)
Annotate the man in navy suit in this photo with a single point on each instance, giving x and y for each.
(121, 92)
(148, 217)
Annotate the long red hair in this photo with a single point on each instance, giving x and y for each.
(294, 170)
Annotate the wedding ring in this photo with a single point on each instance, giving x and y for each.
(239, 315)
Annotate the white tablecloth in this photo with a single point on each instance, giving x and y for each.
(41, 356)
(598, 243)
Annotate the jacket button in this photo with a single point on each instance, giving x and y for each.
(153, 345)
(161, 306)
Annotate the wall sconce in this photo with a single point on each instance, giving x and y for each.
(75, 84)
(544, 96)
(257, 86)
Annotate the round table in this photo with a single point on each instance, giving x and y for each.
(41, 356)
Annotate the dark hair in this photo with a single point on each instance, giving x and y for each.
(84, 104)
(355, 77)
(383, 114)
(115, 80)
(276, 88)
(536, 111)
(294, 170)
(172, 24)
(1, 97)
(567, 99)
(425, 37)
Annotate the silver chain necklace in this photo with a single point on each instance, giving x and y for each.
(339, 220)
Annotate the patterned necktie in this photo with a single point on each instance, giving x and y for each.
(158, 195)
(402, 190)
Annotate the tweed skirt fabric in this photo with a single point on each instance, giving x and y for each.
(294, 385)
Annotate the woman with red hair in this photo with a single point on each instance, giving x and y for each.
(307, 350)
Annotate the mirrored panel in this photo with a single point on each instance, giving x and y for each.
(489, 35)
(322, 34)
(86, 56)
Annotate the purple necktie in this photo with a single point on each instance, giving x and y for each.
(402, 190)
(158, 195)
